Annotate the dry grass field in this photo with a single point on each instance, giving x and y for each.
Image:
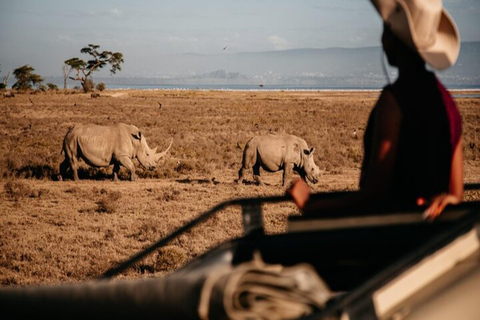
(64, 231)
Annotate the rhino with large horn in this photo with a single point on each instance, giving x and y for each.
(102, 146)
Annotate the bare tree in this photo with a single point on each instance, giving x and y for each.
(3, 85)
(67, 70)
(5, 79)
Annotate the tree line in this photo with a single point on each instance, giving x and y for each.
(82, 71)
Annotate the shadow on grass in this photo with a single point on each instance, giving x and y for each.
(93, 174)
(255, 183)
(36, 172)
(198, 181)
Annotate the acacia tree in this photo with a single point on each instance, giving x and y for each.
(26, 78)
(99, 60)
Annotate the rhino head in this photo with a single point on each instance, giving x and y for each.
(312, 171)
(147, 157)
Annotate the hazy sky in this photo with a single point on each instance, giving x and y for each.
(45, 33)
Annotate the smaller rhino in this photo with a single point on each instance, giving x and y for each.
(273, 153)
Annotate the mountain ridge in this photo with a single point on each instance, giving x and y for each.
(330, 67)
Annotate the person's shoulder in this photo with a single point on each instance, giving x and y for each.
(387, 95)
(388, 102)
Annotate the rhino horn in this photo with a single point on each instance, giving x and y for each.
(163, 153)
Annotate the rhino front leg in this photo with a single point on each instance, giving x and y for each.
(127, 163)
(74, 167)
(287, 173)
(116, 170)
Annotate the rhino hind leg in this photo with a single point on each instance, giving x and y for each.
(241, 174)
(64, 169)
(256, 174)
(72, 163)
(249, 158)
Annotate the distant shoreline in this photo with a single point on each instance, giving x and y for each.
(456, 93)
(266, 88)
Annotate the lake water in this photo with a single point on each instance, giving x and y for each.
(474, 92)
(234, 87)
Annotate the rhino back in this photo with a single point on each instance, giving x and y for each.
(97, 144)
(276, 150)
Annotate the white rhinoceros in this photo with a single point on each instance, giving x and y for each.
(102, 146)
(273, 153)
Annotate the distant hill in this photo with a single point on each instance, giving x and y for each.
(332, 67)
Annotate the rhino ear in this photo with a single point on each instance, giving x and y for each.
(312, 150)
(137, 136)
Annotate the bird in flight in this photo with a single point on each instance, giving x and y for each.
(225, 47)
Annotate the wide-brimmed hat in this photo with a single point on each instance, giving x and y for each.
(425, 26)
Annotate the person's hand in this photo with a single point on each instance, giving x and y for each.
(437, 204)
(300, 192)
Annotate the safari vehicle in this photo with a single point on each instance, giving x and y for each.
(361, 265)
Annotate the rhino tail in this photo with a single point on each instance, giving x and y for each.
(239, 146)
(64, 145)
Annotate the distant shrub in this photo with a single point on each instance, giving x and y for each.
(40, 193)
(184, 167)
(168, 195)
(73, 190)
(106, 205)
(108, 202)
(147, 232)
(17, 189)
(170, 258)
(101, 86)
(52, 86)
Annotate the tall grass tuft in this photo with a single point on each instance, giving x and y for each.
(170, 258)
(17, 189)
(108, 202)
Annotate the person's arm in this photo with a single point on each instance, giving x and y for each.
(378, 180)
(455, 191)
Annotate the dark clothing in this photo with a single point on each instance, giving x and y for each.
(430, 131)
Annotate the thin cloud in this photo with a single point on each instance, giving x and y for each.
(115, 12)
(278, 42)
(65, 38)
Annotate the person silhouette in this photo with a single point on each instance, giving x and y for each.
(412, 143)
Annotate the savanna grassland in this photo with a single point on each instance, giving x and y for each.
(64, 231)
